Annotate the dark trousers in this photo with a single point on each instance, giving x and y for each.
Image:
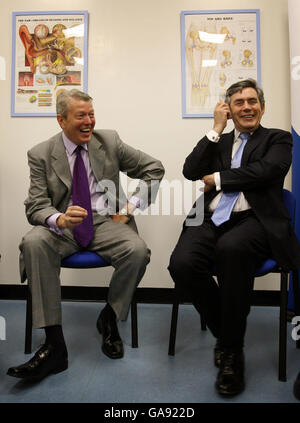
(233, 251)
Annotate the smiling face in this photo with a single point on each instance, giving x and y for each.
(246, 110)
(79, 122)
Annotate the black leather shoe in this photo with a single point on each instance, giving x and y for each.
(297, 387)
(230, 379)
(44, 362)
(218, 351)
(112, 344)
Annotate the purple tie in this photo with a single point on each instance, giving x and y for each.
(84, 232)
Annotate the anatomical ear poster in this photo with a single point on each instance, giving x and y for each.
(219, 48)
(49, 55)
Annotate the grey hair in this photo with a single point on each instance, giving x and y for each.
(239, 86)
(63, 99)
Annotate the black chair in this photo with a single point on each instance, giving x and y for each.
(81, 260)
(269, 266)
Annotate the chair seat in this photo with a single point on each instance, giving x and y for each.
(267, 267)
(84, 260)
(270, 265)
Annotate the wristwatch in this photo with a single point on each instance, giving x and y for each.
(124, 212)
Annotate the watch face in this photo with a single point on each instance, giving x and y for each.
(123, 212)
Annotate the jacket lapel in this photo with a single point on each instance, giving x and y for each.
(60, 162)
(252, 143)
(226, 149)
(97, 157)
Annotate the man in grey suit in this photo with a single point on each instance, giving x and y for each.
(64, 224)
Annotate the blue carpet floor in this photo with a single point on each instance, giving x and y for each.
(146, 374)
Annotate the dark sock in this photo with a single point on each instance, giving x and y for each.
(55, 337)
(108, 312)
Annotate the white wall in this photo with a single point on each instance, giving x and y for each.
(134, 76)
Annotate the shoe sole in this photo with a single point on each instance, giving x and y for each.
(59, 369)
(217, 358)
(217, 363)
(229, 394)
(111, 356)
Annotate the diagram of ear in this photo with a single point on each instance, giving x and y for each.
(31, 51)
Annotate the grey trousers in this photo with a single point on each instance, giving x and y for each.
(42, 251)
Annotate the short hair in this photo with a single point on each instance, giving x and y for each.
(239, 86)
(63, 100)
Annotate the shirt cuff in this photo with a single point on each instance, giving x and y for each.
(213, 136)
(136, 201)
(51, 222)
(217, 181)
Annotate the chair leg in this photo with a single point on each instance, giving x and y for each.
(28, 324)
(283, 327)
(173, 330)
(134, 326)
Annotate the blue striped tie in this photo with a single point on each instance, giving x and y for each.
(228, 199)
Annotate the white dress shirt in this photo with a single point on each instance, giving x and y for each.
(241, 203)
(97, 199)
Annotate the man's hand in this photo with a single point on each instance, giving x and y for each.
(124, 218)
(121, 218)
(209, 182)
(73, 217)
(221, 115)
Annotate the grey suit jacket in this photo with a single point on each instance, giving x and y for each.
(51, 181)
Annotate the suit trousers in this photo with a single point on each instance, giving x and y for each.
(233, 251)
(42, 251)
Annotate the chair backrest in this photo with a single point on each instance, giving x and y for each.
(84, 260)
(290, 203)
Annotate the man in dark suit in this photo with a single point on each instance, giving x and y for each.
(76, 202)
(244, 222)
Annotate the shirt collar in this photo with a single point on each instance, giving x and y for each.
(237, 134)
(70, 145)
